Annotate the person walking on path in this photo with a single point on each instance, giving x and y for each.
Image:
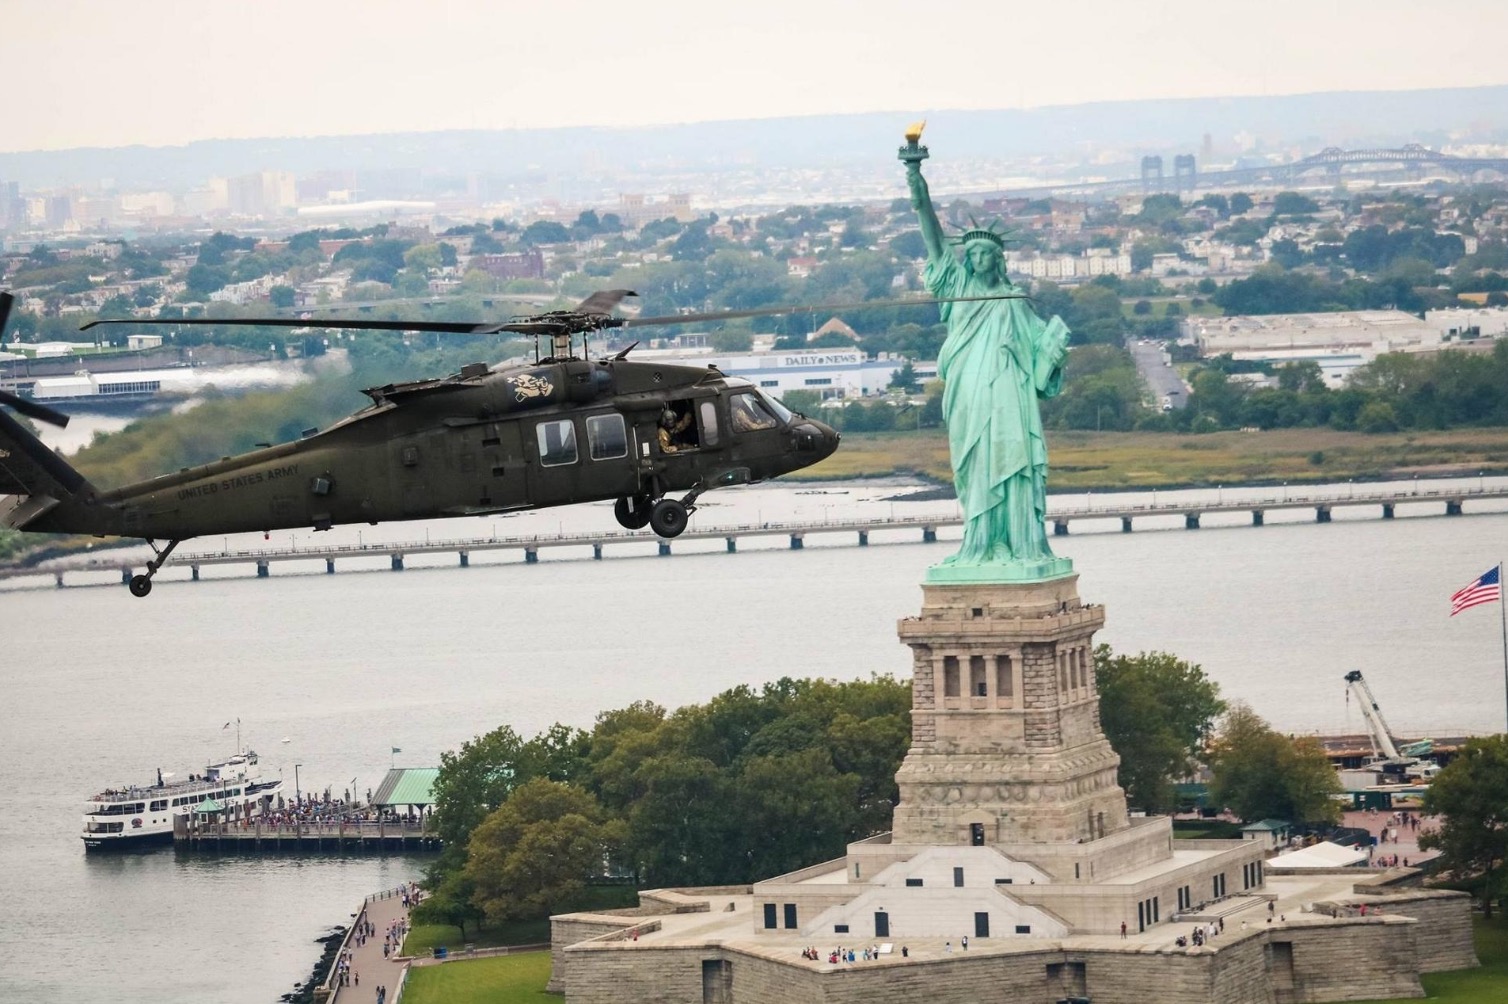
(368, 956)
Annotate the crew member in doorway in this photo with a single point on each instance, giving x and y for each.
(672, 429)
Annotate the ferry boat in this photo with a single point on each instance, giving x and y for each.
(120, 818)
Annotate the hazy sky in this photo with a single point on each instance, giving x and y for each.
(166, 72)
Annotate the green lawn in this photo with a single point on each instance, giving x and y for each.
(506, 979)
(1084, 460)
(1487, 984)
(1206, 829)
(423, 937)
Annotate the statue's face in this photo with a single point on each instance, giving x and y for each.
(984, 259)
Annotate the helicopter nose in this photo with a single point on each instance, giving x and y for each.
(815, 438)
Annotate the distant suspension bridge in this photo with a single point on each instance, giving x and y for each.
(1412, 161)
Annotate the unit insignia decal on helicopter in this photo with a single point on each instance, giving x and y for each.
(527, 385)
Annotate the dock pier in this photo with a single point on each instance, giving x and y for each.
(257, 837)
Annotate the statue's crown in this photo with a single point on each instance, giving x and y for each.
(983, 232)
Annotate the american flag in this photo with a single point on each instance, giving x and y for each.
(1487, 588)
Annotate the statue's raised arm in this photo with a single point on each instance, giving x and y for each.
(912, 155)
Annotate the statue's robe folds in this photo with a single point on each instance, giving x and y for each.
(999, 357)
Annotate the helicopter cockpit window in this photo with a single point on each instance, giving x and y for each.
(781, 412)
(557, 443)
(750, 413)
(606, 437)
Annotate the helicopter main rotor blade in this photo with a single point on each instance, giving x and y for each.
(558, 322)
(727, 315)
(449, 327)
(32, 409)
(604, 301)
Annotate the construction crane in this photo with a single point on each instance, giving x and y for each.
(1386, 754)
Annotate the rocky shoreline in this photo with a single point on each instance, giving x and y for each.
(304, 992)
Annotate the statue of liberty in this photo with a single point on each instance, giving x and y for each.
(998, 359)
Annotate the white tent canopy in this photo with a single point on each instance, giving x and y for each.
(1322, 855)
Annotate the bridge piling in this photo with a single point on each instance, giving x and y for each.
(597, 552)
(329, 566)
(125, 576)
(732, 545)
(664, 548)
(1387, 510)
(194, 573)
(264, 569)
(1453, 507)
(798, 541)
(531, 555)
(863, 538)
(1060, 528)
(1125, 524)
(929, 535)
(1191, 521)
(59, 577)
(397, 562)
(465, 559)
(1256, 517)
(1322, 514)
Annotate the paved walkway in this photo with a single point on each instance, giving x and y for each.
(1406, 846)
(367, 961)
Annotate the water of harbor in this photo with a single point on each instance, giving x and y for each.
(331, 673)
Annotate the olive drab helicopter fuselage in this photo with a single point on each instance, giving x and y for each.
(562, 430)
(482, 441)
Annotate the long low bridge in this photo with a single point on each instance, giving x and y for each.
(1063, 510)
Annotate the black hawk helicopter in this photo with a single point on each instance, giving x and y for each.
(562, 430)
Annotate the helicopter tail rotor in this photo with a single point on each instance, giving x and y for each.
(27, 407)
(33, 410)
(36, 477)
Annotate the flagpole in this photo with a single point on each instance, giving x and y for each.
(1503, 620)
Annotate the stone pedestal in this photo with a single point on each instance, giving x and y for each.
(1006, 746)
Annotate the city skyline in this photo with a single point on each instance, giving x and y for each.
(188, 72)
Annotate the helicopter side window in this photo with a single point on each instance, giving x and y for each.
(708, 411)
(606, 437)
(750, 413)
(557, 443)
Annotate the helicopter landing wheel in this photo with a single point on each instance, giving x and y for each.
(668, 518)
(141, 585)
(633, 511)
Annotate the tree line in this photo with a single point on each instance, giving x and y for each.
(1441, 390)
(751, 784)
(756, 783)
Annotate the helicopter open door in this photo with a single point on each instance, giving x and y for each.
(693, 424)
